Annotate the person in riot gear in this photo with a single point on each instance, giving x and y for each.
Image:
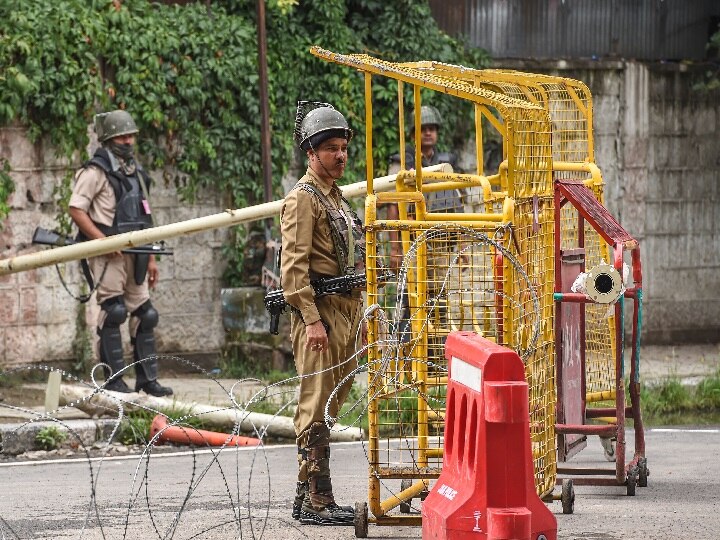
(438, 201)
(321, 237)
(110, 196)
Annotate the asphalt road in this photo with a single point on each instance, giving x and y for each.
(248, 494)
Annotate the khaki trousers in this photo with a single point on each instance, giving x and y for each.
(115, 276)
(322, 372)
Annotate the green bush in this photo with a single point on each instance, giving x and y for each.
(189, 76)
(50, 438)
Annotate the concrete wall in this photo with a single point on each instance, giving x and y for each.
(658, 145)
(37, 316)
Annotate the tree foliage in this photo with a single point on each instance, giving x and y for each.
(189, 76)
(711, 77)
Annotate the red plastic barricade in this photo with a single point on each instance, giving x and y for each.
(486, 489)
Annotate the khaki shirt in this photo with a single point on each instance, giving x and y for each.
(307, 245)
(94, 195)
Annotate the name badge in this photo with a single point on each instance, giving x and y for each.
(146, 206)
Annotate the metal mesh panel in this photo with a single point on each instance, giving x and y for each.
(458, 276)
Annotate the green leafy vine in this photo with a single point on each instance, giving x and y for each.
(188, 74)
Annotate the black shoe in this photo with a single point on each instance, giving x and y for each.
(332, 514)
(118, 385)
(154, 388)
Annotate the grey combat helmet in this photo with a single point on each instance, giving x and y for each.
(113, 124)
(429, 115)
(320, 123)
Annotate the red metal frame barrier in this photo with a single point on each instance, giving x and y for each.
(486, 490)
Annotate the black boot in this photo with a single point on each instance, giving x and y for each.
(154, 388)
(319, 506)
(332, 514)
(118, 384)
(300, 494)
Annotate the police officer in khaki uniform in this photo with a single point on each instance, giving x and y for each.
(110, 196)
(317, 241)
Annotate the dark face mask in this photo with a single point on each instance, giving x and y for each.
(123, 151)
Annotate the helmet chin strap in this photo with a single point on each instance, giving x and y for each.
(322, 164)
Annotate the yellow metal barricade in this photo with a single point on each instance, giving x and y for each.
(489, 269)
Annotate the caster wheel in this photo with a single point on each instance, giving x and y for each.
(609, 448)
(405, 506)
(632, 481)
(568, 497)
(643, 472)
(361, 520)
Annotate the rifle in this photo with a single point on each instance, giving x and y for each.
(275, 300)
(52, 238)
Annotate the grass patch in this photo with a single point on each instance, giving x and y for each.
(672, 402)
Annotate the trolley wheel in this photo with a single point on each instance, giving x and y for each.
(405, 506)
(568, 496)
(609, 445)
(361, 520)
(632, 481)
(643, 472)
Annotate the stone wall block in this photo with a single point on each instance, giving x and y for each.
(635, 182)
(17, 148)
(57, 344)
(189, 333)
(669, 185)
(635, 152)
(704, 121)
(28, 305)
(22, 344)
(605, 113)
(18, 198)
(9, 307)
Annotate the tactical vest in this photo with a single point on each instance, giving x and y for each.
(349, 248)
(436, 201)
(130, 213)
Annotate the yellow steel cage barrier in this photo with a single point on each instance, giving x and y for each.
(489, 269)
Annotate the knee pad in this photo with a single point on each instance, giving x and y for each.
(148, 316)
(115, 311)
(111, 350)
(144, 351)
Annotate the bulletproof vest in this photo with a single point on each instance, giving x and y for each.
(436, 201)
(130, 204)
(349, 248)
(438, 157)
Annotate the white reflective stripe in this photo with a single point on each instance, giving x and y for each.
(680, 430)
(466, 374)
